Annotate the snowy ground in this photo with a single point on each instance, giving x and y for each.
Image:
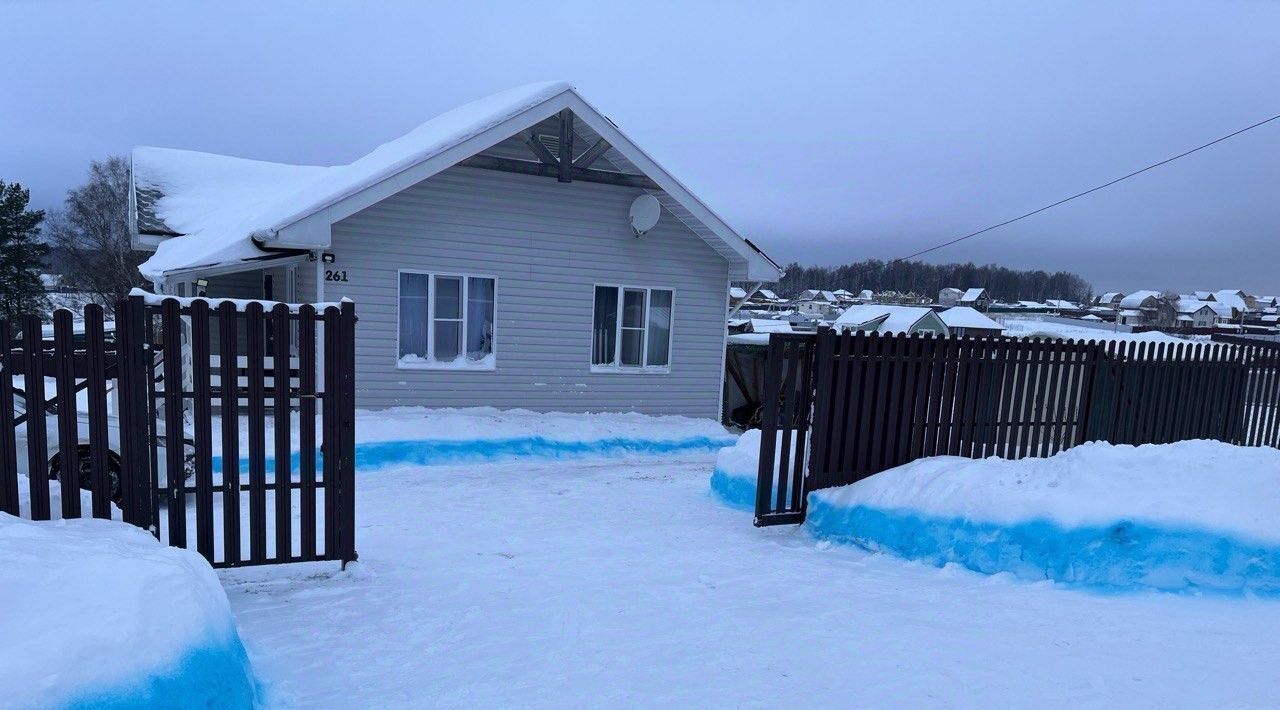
(623, 584)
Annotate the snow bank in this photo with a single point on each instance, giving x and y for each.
(737, 469)
(1194, 515)
(425, 436)
(95, 613)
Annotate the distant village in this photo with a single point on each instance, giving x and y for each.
(976, 311)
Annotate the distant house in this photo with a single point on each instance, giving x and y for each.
(963, 320)
(865, 296)
(975, 298)
(1238, 301)
(879, 318)
(1139, 308)
(1195, 313)
(1110, 299)
(844, 296)
(489, 251)
(817, 302)
(949, 296)
(1058, 304)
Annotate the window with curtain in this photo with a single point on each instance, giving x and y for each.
(631, 329)
(446, 321)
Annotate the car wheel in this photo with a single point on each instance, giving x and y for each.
(86, 470)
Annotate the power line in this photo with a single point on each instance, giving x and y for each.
(1065, 200)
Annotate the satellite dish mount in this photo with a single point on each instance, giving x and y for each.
(644, 214)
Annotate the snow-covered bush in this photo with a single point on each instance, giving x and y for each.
(95, 613)
(1194, 515)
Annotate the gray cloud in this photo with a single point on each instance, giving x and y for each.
(827, 132)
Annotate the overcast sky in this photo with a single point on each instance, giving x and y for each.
(827, 133)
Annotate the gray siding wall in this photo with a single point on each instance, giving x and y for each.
(548, 244)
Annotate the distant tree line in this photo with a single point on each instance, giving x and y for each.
(927, 279)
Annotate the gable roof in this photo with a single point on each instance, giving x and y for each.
(1229, 298)
(887, 319)
(966, 317)
(973, 294)
(1135, 299)
(227, 210)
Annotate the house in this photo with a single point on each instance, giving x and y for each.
(948, 296)
(1139, 308)
(518, 251)
(883, 319)
(1059, 304)
(844, 296)
(1110, 299)
(1194, 313)
(1238, 302)
(817, 303)
(963, 320)
(975, 298)
(865, 296)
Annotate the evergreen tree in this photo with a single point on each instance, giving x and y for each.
(21, 254)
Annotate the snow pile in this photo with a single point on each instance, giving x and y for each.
(737, 470)
(426, 436)
(95, 613)
(1194, 515)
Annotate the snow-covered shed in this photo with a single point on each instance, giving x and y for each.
(963, 320)
(974, 298)
(490, 252)
(891, 319)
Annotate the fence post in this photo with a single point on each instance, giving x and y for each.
(8, 432)
(347, 433)
(135, 471)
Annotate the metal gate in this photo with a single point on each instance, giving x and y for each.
(180, 399)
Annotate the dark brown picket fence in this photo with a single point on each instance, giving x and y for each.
(841, 407)
(158, 382)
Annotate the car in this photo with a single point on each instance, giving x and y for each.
(83, 451)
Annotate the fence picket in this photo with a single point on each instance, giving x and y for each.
(229, 406)
(8, 431)
(202, 411)
(37, 434)
(256, 411)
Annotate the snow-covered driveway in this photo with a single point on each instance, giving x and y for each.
(623, 584)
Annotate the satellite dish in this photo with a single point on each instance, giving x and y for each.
(645, 212)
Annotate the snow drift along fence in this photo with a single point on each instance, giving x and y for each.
(865, 403)
(131, 422)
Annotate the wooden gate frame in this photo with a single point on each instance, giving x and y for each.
(139, 364)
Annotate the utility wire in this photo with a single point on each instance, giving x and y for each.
(1078, 195)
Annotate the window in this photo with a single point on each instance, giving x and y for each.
(446, 321)
(631, 329)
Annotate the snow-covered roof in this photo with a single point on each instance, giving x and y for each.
(966, 317)
(1192, 305)
(1059, 303)
(1135, 299)
(767, 294)
(973, 294)
(1031, 304)
(737, 292)
(1203, 295)
(893, 319)
(770, 325)
(222, 208)
(1089, 316)
(1230, 299)
(814, 294)
(866, 294)
(1110, 296)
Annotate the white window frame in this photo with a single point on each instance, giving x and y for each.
(619, 368)
(431, 364)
